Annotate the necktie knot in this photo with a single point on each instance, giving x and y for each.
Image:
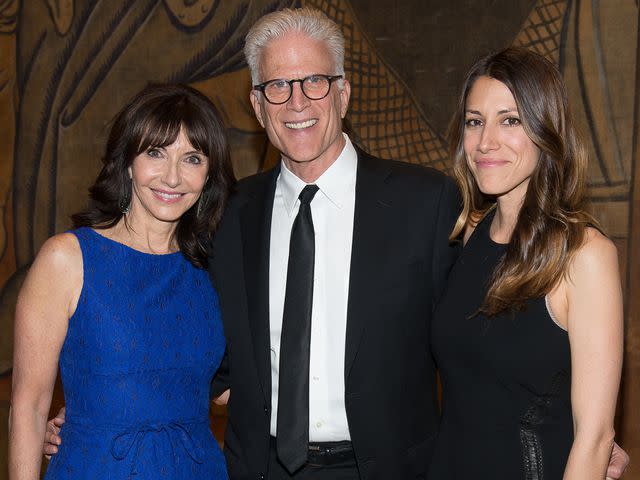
(307, 194)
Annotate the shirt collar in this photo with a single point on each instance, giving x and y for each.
(335, 183)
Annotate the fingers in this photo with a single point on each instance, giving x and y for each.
(61, 414)
(49, 450)
(50, 446)
(617, 463)
(52, 434)
(53, 426)
(56, 422)
(52, 438)
(614, 472)
(223, 399)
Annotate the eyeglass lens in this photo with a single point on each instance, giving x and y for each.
(315, 87)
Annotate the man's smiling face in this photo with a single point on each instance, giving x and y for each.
(305, 131)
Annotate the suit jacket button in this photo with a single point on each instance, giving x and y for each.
(261, 476)
(266, 409)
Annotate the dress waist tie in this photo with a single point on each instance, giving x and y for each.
(129, 441)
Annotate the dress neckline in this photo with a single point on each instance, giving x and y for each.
(131, 249)
(483, 230)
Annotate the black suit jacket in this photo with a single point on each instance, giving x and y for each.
(400, 261)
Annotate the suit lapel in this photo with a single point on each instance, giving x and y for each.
(256, 236)
(371, 210)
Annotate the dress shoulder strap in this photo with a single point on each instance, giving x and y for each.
(482, 228)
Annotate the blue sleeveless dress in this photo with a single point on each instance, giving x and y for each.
(136, 365)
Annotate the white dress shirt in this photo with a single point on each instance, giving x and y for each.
(332, 210)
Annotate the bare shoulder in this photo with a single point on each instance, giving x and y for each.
(593, 287)
(55, 279)
(59, 259)
(596, 253)
(593, 270)
(60, 251)
(595, 239)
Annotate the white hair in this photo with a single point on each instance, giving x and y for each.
(308, 21)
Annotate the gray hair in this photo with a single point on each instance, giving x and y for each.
(308, 21)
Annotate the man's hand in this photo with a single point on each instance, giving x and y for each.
(617, 463)
(51, 437)
(223, 399)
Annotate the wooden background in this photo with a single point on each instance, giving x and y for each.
(67, 66)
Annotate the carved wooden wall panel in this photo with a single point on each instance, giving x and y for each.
(67, 66)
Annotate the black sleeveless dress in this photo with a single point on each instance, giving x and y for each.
(506, 380)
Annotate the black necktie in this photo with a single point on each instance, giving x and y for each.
(295, 340)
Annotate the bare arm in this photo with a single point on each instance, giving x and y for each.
(46, 302)
(594, 320)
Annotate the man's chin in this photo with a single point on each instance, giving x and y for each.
(299, 161)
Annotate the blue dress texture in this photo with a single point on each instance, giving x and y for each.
(136, 365)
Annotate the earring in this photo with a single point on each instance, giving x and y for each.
(199, 207)
(124, 205)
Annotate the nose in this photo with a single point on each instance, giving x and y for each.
(171, 173)
(488, 139)
(298, 100)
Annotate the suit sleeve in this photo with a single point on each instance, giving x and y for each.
(220, 381)
(445, 252)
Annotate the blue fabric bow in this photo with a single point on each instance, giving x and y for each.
(131, 439)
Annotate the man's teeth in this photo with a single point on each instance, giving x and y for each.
(168, 196)
(299, 125)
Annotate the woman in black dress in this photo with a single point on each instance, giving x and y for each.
(528, 337)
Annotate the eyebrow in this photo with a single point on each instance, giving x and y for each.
(501, 112)
(191, 152)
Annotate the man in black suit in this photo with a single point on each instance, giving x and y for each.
(380, 262)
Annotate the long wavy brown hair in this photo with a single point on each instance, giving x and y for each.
(551, 224)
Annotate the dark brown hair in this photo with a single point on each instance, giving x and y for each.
(154, 119)
(551, 223)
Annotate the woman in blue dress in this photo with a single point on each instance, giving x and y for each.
(124, 304)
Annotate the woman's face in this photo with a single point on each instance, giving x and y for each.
(167, 181)
(498, 152)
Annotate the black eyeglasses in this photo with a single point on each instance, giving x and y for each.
(314, 87)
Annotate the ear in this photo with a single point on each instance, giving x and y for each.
(129, 172)
(256, 103)
(345, 95)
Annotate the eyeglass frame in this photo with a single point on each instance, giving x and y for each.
(330, 78)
